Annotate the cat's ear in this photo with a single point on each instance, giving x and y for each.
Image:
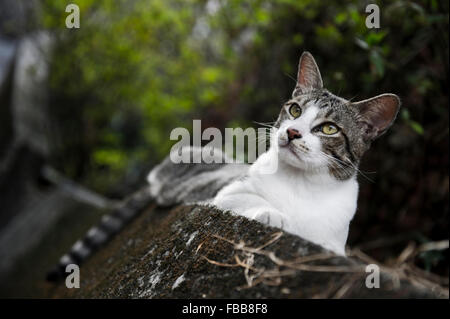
(308, 76)
(378, 113)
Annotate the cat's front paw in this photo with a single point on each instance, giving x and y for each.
(271, 218)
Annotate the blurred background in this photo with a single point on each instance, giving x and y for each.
(91, 108)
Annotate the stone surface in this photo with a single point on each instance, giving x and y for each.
(186, 252)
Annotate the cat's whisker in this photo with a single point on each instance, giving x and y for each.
(342, 165)
(293, 79)
(362, 173)
(259, 138)
(350, 100)
(273, 122)
(348, 164)
(265, 124)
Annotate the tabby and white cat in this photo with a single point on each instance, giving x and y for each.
(316, 146)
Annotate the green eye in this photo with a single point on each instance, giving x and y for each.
(329, 129)
(295, 110)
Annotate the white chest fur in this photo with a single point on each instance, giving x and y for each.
(315, 207)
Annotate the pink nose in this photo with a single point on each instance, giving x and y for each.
(293, 134)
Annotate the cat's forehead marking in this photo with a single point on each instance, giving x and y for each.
(328, 104)
(322, 99)
(330, 107)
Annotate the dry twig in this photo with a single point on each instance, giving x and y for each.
(255, 275)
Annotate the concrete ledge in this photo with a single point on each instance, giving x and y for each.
(200, 252)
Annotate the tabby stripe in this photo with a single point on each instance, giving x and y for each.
(80, 250)
(331, 111)
(347, 147)
(337, 157)
(111, 224)
(99, 235)
(66, 260)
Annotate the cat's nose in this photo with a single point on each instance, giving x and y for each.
(292, 133)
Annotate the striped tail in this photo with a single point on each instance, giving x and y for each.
(99, 235)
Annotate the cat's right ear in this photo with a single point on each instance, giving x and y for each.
(308, 76)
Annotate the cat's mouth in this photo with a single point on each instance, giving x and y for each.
(295, 150)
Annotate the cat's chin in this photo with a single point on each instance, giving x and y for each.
(293, 159)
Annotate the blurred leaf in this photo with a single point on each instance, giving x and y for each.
(405, 114)
(378, 62)
(374, 38)
(110, 157)
(417, 127)
(298, 39)
(341, 17)
(362, 44)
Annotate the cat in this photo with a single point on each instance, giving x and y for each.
(316, 145)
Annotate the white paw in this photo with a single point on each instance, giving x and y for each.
(271, 218)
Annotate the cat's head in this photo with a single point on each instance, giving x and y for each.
(317, 130)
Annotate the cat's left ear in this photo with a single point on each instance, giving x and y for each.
(308, 76)
(377, 114)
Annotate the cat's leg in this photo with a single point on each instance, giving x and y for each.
(251, 206)
(267, 215)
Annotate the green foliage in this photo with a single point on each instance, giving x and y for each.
(132, 71)
(136, 69)
(415, 126)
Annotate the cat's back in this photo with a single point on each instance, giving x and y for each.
(186, 182)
